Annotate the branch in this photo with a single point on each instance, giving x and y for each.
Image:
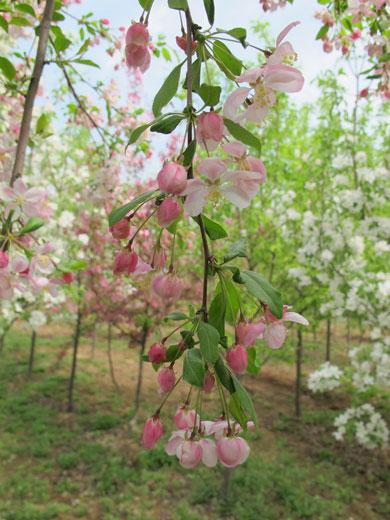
(24, 133)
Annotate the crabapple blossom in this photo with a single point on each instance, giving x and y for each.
(172, 178)
(209, 382)
(166, 379)
(189, 453)
(152, 432)
(23, 200)
(136, 50)
(157, 353)
(185, 418)
(275, 332)
(248, 333)
(237, 358)
(209, 130)
(125, 262)
(168, 286)
(182, 43)
(326, 378)
(4, 260)
(232, 451)
(168, 211)
(121, 229)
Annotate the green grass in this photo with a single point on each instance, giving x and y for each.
(56, 465)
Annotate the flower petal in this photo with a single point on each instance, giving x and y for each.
(284, 32)
(212, 167)
(295, 317)
(234, 101)
(275, 335)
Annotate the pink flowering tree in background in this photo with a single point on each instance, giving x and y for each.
(355, 27)
(213, 336)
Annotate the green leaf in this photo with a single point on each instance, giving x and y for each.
(173, 353)
(217, 311)
(188, 338)
(167, 90)
(167, 124)
(90, 63)
(61, 43)
(4, 24)
(239, 33)
(232, 301)
(210, 94)
(210, 10)
(253, 364)
(244, 399)
(137, 132)
(20, 21)
(214, 230)
(189, 153)
(324, 29)
(77, 265)
(146, 4)
(119, 213)
(224, 56)
(224, 375)
(176, 316)
(242, 134)
(263, 290)
(25, 8)
(196, 75)
(193, 368)
(178, 4)
(237, 249)
(32, 225)
(43, 123)
(7, 68)
(208, 338)
(236, 410)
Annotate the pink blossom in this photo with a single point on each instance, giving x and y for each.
(105, 21)
(23, 200)
(237, 358)
(232, 451)
(209, 130)
(159, 258)
(137, 56)
(121, 229)
(185, 418)
(67, 278)
(172, 178)
(153, 430)
(168, 286)
(209, 382)
(189, 453)
(209, 452)
(247, 333)
(175, 440)
(181, 42)
(166, 379)
(275, 332)
(157, 353)
(168, 211)
(125, 262)
(4, 260)
(137, 34)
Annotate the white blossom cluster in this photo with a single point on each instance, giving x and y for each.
(364, 424)
(326, 378)
(37, 319)
(371, 365)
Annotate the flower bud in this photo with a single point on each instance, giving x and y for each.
(185, 418)
(209, 130)
(232, 451)
(67, 277)
(167, 286)
(237, 358)
(182, 43)
(157, 353)
(189, 454)
(168, 211)
(4, 260)
(137, 56)
(247, 333)
(153, 430)
(137, 34)
(121, 229)
(125, 262)
(166, 379)
(172, 178)
(364, 92)
(159, 258)
(209, 382)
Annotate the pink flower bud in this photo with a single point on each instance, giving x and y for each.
(153, 430)
(209, 130)
(247, 333)
(237, 358)
(167, 286)
(105, 21)
(232, 451)
(364, 92)
(356, 34)
(137, 34)
(189, 454)
(125, 262)
(121, 229)
(166, 379)
(182, 43)
(159, 258)
(168, 211)
(172, 178)
(4, 260)
(185, 418)
(209, 382)
(157, 353)
(327, 46)
(137, 56)
(67, 277)
(344, 50)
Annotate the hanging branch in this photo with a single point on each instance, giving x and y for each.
(24, 133)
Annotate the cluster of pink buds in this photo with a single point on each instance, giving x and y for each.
(198, 441)
(137, 47)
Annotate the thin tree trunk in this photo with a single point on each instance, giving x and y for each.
(137, 399)
(298, 374)
(24, 134)
(328, 338)
(32, 354)
(94, 340)
(76, 341)
(109, 354)
(225, 490)
(2, 342)
(348, 331)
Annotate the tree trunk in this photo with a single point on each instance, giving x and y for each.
(94, 340)
(76, 341)
(328, 338)
(32, 354)
(2, 342)
(225, 490)
(298, 374)
(109, 354)
(137, 399)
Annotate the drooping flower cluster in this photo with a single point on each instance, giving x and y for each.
(325, 378)
(137, 47)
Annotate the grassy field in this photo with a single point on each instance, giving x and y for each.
(88, 464)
